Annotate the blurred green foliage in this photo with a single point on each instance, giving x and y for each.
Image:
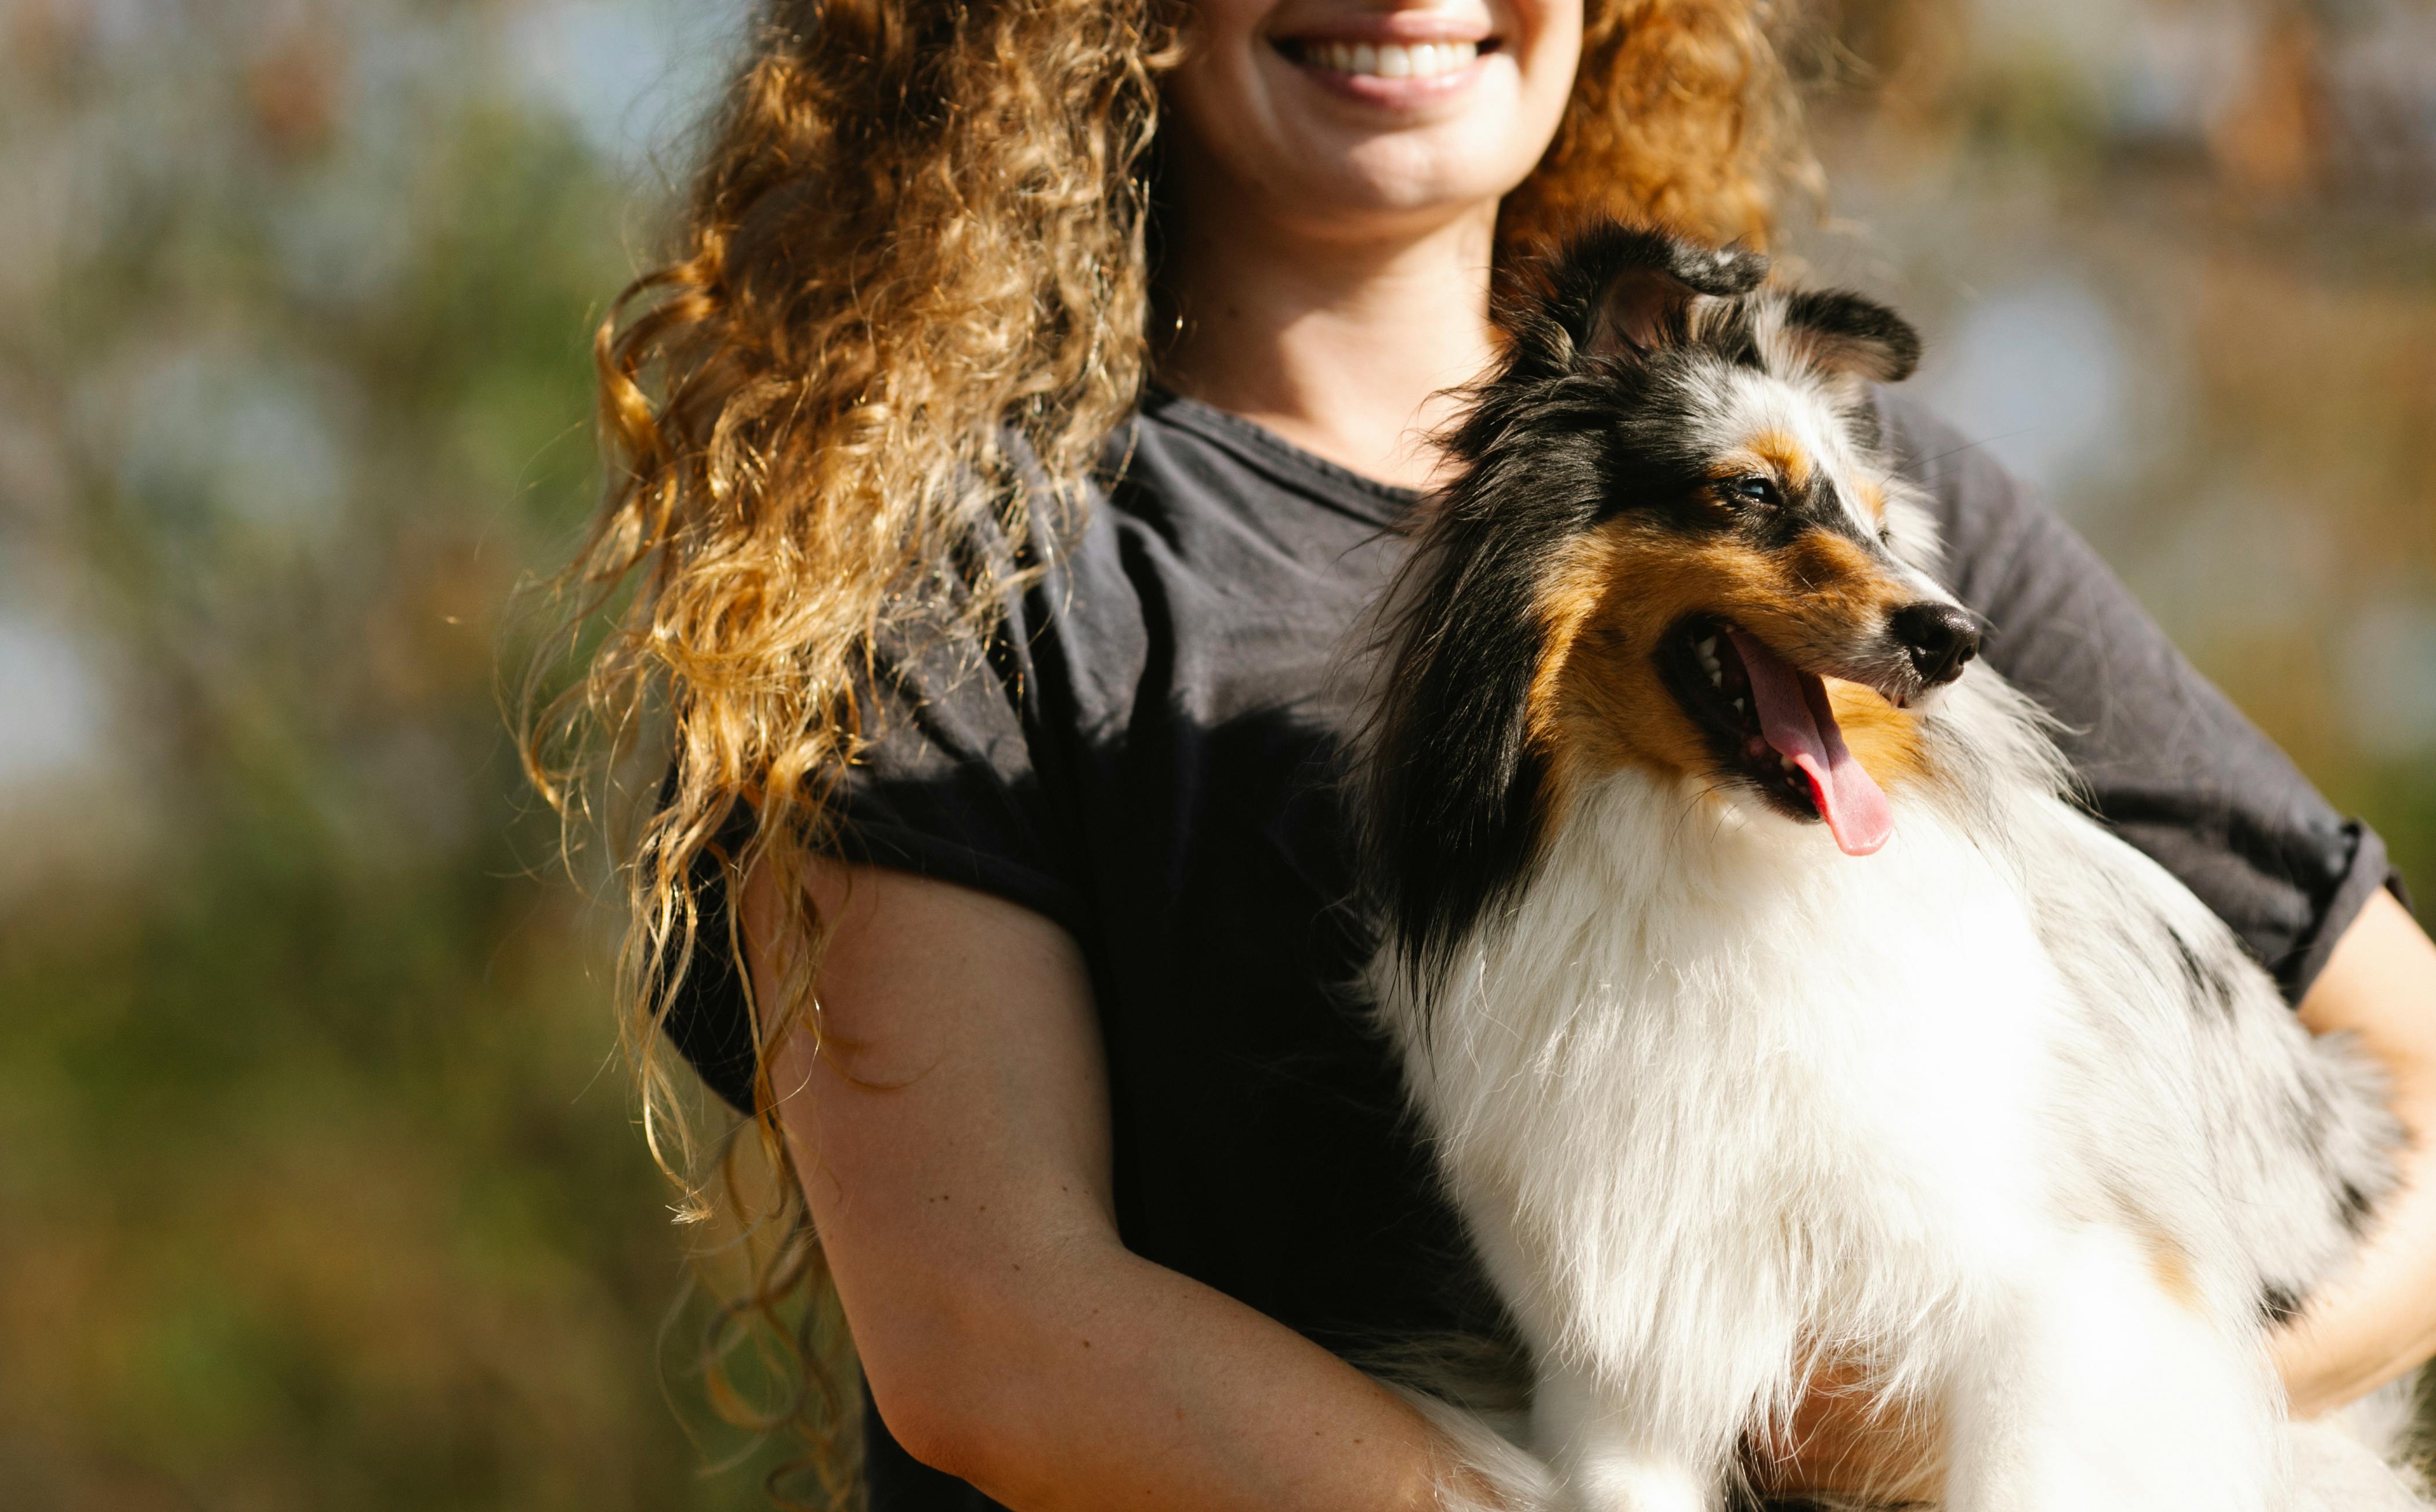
(322, 1181)
(319, 1182)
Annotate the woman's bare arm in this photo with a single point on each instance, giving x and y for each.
(953, 1141)
(2379, 1320)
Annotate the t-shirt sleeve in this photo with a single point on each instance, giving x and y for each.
(957, 780)
(954, 784)
(2168, 763)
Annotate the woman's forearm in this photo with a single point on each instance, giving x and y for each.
(1115, 1383)
(2378, 1319)
(949, 1126)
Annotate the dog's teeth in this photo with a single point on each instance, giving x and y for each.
(1740, 706)
(1716, 676)
(1708, 650)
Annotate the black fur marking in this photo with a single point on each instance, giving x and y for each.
(2205, 983)
(2277, 1305)
(1455, 789)
(1618, 288)
(2355, 1205)
(1858, 335)
(1738, 343)
(1820, 506)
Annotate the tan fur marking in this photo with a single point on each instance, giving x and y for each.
(1782, 453)
(2172, 1269)
(1873, 497)
(1599, 702)
(1568, 600)
(1884, 739)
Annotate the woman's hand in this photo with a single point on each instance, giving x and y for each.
(1838, 1444)
(951, 1134)
(2370, 1326)
(2378, 1319)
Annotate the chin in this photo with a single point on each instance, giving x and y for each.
(1766, 1000)
(1438, 169)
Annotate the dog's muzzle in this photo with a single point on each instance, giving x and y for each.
(1941, 639)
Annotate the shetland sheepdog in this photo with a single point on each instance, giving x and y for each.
(1769, 1004)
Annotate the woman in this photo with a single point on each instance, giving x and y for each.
(1008, 455)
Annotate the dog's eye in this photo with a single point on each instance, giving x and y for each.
(1752, 486)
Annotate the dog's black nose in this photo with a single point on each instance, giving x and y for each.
(1941, 639)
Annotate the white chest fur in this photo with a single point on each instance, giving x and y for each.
(1719, 1100)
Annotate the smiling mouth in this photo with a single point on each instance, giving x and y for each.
(1707, 676)
(1386, 60)
(1769, 725)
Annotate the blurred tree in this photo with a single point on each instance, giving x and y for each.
(324, 1192)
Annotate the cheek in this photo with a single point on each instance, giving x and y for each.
(1218, 32)
(1609, 710)
(1547, 47)
(1214, 90)
(1598, 703)
(1884, 739)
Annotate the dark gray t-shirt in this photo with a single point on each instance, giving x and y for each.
(1147, 756)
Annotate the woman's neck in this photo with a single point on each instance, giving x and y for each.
(1344, 347)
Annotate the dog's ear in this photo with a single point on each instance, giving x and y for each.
(1624, 291)
(1843, 332)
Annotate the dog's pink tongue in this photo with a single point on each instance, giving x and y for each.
(1795, 716)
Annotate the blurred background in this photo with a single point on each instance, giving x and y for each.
(319, 1183)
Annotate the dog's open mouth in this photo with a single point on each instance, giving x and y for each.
(1769, 723)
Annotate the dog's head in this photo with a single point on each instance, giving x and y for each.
(1670, 543)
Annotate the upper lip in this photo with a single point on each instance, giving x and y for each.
(1399, 26)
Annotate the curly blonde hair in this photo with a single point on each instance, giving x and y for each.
(915, 247)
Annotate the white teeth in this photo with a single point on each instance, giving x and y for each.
(1393, 60)
(1740, 706)
(1786, 763)
(1716, 676)
(1707, 647)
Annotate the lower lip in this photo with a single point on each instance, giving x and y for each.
(1394, 94)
